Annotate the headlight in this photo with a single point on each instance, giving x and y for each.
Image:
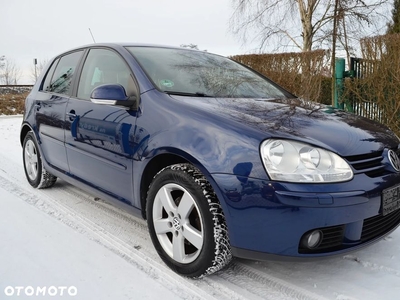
(298, 162)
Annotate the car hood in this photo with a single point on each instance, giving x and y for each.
(321, 125)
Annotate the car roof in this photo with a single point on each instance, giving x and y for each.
(118, 45)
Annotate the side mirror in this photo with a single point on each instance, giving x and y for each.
(112, 94)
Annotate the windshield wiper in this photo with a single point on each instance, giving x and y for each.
(197, 94)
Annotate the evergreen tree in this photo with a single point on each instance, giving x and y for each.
(394, 25)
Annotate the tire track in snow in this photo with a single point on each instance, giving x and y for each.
(265, 285)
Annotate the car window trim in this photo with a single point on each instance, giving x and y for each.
(79, 69)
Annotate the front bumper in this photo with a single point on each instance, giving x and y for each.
(267, 218)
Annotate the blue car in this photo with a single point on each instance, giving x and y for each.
(221, 161)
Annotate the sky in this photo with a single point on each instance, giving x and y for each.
(43, 29)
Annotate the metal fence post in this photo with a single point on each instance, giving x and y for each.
(339, 76)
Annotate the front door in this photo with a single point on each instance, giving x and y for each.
(98, 137)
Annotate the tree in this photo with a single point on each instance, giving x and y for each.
(2, 58)
(394, 25)
(191, 46)
(303, 24)
(10, 72)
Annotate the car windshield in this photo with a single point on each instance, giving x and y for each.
(201, 74)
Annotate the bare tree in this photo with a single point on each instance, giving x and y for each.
(10, 72)
(304, 24)
(2, 58)
(394, 25)
(191, 46)
(357, 19)
(36, 70)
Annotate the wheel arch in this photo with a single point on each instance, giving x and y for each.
(24, 131)
(159, 162)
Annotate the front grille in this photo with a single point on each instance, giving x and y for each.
(379, 225)
(332, 240)
(369, 164)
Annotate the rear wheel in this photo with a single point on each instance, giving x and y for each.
(36, 174)
(186, 222)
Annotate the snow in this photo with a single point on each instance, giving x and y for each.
(39, 251)
(62, 237)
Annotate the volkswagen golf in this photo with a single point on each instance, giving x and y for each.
(220, 161)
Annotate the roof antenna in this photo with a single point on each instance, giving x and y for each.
(92, 36)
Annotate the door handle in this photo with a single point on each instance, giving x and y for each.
(71, 114)
(74, 125)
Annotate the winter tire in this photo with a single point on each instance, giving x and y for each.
(186, 222)
(36, 174)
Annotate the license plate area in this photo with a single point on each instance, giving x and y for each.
(390, 200)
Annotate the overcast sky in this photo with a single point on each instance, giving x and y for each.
(44, 28)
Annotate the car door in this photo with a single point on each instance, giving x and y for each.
(50, 104)
(99, 137)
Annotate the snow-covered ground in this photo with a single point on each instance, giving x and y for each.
(65, 240)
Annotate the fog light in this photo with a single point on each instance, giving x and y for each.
(313, 239)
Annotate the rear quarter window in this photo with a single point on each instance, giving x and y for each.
(46, 83)
(59, 78)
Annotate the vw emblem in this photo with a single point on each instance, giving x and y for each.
(394, 160)
(176, 223)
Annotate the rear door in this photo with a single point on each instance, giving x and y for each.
(99, 137)
(51, 102)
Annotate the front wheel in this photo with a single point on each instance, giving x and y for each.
(186, 222)
(36, 174)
